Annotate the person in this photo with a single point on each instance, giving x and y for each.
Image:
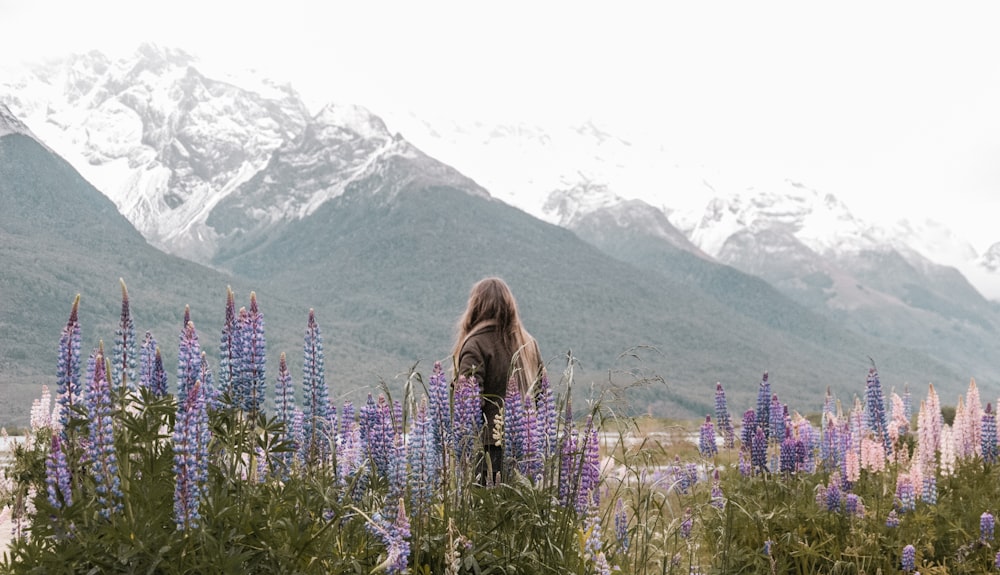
(493, 346)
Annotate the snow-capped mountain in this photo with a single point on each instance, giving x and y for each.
(708, 204)
(191, 158)
(163, 141)
(178, 149)
(583, 203)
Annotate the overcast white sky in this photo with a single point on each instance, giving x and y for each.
(891, 106)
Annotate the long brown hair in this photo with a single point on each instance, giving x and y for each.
(492, 303)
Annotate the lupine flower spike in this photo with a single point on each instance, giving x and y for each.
(909, 559)
(316, 410)
(706, 439)
(69, 389)
(123, 363)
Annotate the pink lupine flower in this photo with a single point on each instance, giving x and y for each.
(898, 425)
(928, 438)
(961, 431)
(872, 454)
(974, 417)
(948, 455)
(853, 465)
(935, 419)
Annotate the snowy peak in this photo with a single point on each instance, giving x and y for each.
(990, 260)
(564, 207)
(819, 221)
(352, 118)
(10, 124)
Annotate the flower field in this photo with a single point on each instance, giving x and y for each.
(235, 468)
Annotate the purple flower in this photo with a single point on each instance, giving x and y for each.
(909, 559)
(777, 423)
(569, 463)
(424, 461)
(191, 436)
(758, 450)
(394, 535)
(514, 427)
(438, 406)
(123, 362)
(745, 468)
(718, 500)
(101, 448)
(621, 525)
(284, 404)
(57, 475)
(253, 360)
(892, 520)
(875, 416)
(546, 420)
(686, 524)
(853, 505)
(906, 493)
(147, 363)
(764, 406)
(349, 444)
(789, 453)
(467, 418)
(722, 416)
(988, 437)
(188, 361)
(378, 434)
(986, 525)
(928, 492)
(706, 439)
(316, 411)
(590, 470)
(749, 426)
(69, 387)
(229, 352)
(833, 496)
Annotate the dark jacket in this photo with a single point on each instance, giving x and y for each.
(484, 356)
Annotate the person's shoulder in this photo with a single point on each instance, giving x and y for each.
(479, 336)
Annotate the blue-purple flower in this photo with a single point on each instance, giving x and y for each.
(101, 448)
(749, 427)
(229, 348)
(57, 475)
(875, 416)
(892, 520)
(777, 423)
(758, 450)
(986, 526)
(191, 436)
(909, 559)
(621, 525)
(764, 406)
(284, 405)
(395, 536)
(988, 437)
(188, 361)
(706, 438)
(424, 461)
(253, 359)
(686, 523)
(68, 385)
(123, 356)
(316, 410)
(723, 418)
